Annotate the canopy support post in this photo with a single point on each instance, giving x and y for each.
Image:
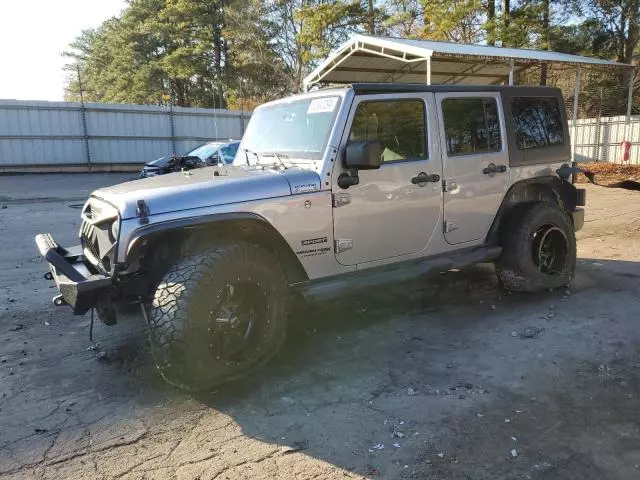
(511, 68)
(574, 123)
(428, 70)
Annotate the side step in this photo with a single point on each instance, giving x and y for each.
(365, 279)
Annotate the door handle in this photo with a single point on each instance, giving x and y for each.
(423, 178)
(492, 169)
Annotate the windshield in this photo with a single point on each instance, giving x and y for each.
(204, 151)
(229, 151)
(297, 129)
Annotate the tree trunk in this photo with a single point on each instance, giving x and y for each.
(371, 18)
(491, 18)
(506, 14)
(546, 43)
(633, 32)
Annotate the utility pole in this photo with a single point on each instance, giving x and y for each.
(241, 109)
(83, 112)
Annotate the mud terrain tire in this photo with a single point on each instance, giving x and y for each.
(539, 248)
(218, 314)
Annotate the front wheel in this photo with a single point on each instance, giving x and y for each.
(539, 249)
(217, 315)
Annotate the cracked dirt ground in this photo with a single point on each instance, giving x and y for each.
(446, 378)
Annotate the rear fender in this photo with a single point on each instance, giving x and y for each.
(539, 189)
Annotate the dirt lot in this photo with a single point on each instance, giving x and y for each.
(441, 379)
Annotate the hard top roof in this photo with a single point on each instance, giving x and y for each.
(362, 88)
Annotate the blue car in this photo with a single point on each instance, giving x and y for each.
(211, 153)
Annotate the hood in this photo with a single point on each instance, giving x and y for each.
(203, 188)
(159, 162)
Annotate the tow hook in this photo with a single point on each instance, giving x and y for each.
(59, 301)
(48, 276)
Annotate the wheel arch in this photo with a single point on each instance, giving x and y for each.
(190, 233)
(538, 189)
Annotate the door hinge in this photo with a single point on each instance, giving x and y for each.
(450, 226)
(449, 185)
(341, 199)
(343, 244)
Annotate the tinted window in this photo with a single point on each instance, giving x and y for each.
(538, 122)
(471, 125)
(399, 125)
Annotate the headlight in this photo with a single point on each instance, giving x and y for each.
(115, 230)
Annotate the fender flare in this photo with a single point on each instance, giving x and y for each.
(565, 194)
(293, 268)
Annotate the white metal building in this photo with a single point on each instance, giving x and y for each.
(380, 59)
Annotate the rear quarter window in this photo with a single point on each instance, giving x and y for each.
(537, 122)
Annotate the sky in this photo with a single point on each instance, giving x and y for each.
(33, 34)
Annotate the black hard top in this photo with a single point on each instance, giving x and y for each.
(369, 88)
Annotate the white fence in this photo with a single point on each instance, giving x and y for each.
(62, 134)
(599, 139)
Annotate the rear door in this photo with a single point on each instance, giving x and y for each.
(475, 162)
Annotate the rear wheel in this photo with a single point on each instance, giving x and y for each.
(217, 315)
(539, 248)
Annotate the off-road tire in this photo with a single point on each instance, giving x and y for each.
(516, 268)
(186, 299)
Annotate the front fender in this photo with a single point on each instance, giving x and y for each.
(243, 226)
(181, 223)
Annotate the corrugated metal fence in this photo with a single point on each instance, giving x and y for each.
(98, 136)
(46, 134)
(599, 139)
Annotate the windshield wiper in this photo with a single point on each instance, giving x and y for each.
(279, 156)
(246, 156)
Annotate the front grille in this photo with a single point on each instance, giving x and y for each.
(96, 236)
(89, 239)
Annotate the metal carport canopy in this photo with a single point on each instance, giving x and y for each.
(365, 58)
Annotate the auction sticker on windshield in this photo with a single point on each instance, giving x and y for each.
(322, 105)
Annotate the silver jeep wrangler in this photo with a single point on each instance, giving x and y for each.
(333, 190)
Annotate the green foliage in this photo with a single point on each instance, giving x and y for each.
(459, 21)
(221, 53)
(326, 24)
(403, 18)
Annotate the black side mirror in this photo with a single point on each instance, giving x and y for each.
(363, 154)
(359, 155)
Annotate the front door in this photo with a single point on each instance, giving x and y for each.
(395, 209)
(475, 162)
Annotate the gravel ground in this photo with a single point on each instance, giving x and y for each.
(447, 378)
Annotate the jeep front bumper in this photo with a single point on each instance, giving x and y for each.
(80, 287)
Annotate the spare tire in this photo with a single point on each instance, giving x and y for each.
(539, 248)
(217, 315)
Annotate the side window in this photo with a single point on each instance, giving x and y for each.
(538, 122)
(471, 125)
(400, 126)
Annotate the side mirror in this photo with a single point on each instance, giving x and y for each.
(359, 155)
(363, 155)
